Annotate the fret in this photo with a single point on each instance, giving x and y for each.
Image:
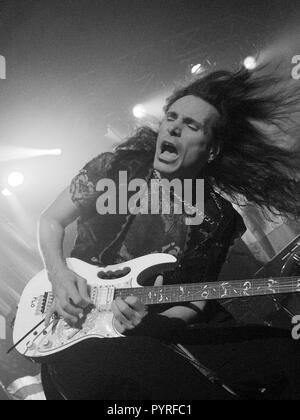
(181, 292)
(267, 287)
(211, 291)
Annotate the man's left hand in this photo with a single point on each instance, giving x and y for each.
(129, 313)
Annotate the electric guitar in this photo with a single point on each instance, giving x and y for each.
(34, 340)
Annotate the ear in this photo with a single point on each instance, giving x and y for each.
(213, 153)
(211, 157)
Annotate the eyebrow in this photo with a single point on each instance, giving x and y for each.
(189, 120)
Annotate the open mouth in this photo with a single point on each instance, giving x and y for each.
(169, 152)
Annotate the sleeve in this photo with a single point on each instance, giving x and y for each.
(83, 188)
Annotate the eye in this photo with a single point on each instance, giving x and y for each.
(193, 127)
(171, 117)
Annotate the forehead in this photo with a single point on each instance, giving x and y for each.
(196, 108)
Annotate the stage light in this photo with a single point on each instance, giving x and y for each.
(197, 69)
(46, 152)
(6, 192)
(8, 153)
(250, 63)
(52, 152)
(139, 111)
(15, 179)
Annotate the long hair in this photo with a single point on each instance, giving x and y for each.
(136, 153)
(259, 158)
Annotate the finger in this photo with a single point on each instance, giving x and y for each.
(72, 293)
(125, 309)
(65, 315)
(159, 280)
(121, 317)
(136, 304)
(49, 315)
(70, 309)
(119, 327)
(76, 300)
(83, 292)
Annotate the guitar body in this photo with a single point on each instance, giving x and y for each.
(98, 322)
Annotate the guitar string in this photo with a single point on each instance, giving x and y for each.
(194, 288)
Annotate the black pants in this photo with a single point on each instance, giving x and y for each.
(254, 362)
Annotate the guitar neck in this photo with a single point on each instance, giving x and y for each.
(211, 291)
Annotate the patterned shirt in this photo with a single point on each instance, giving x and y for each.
(113, 238)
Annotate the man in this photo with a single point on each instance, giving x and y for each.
(209, 133)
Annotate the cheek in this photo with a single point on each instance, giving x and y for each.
(196, 152)
(191, 158)
(162, 129)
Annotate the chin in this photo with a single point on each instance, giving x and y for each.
(165, 168)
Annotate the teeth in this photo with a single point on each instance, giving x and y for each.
(168, 147)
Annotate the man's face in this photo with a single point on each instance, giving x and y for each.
(184, 138)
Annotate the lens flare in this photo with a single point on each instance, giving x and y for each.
(6, 192)
(139, 111)
(15, 179)
(250, 63)
(197, 69)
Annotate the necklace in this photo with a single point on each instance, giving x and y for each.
(188, 205)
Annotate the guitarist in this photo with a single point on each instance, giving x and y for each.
(207, 133)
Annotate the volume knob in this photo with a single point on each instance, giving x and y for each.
(31, 347)
(47, 344)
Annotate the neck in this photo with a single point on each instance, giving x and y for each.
(189, 292)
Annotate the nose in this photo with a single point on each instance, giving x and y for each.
(174, 130)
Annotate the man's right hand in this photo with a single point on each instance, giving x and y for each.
(70, 296)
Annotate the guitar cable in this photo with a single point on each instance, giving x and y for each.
(25, 336)
(208, 373)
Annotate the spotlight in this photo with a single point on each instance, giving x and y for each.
(53, 152)
(46, 152)
(139, 111)
(6, 192)
(250, 63)
(197, 69)
(15, 179)
(8, 153)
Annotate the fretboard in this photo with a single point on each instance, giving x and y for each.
(209, 291)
